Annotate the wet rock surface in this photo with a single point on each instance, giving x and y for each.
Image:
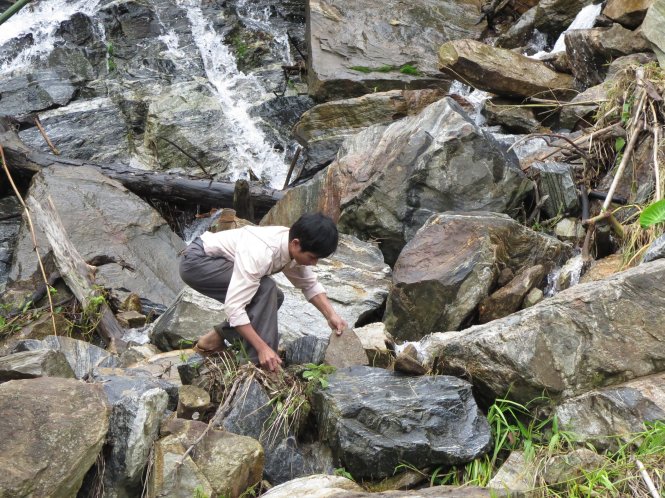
(373, 419)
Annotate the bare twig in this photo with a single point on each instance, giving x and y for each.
(647, 480)
(293, 165)
(34, 238)
(656, 139)
(622, 165)
(43, 132)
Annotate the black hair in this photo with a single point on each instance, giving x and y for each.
(317, 234)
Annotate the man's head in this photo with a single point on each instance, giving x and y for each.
(312, 237)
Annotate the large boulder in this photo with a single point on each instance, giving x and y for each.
(388, 180)
(628, 13)
(356, 281)
(359, 47)
(223, 463)
(373, 421)
(554, 16)
(591, 50)
(31, 364)
(190, 316)
(83, 357)
(10, 223)
(322, 129)
(139, 405)
(23, 93)
(652, 29)
(453, 263)
(502, 71)
(103, 219)
(589, 336)
(52, 431)
(93, 130)
(601, 415)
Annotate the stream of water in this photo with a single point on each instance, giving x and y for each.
(584, 19)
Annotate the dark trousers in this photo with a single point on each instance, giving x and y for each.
(211, 277)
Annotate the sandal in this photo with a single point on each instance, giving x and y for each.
(207, 352)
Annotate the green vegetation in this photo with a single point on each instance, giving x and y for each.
(515, 427)
(240, 47)
(405, 69)
(653, 214)
(342, 472)
(110, 59)
(316, 375)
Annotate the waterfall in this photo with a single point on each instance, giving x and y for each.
(584, 20)
(235, 90)
(258, 19)
(39, 20)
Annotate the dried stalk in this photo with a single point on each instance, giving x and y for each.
(48, 141)
(647, 480)
(656, 147)
(34, 238)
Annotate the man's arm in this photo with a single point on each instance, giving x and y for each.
(321, 302)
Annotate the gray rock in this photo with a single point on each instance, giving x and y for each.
(511, 115)
(290, 460)
(519, 33)
(452, 264)
(571, 466)
(30, 364)
(533, 297)
(138, 406)
(581, 109)
(250, 411)
(356, 280)
(102, 218)
(93, 130)
(387, 181)
(554, 16)
(306, 349)
(378, 343)
(557, 182)
(375, 37)
(599, 416)
(323, 486)
(10, 223)
(322, 129)
(372, 420)
(652, 29)
(629, 14)
(569, 230)
(591, 50)
(656, 250)
(345, 350)
(502, 71)
(22, 94)
(192, 402)
(517, 476)
(52, 431)
(188, 318)
(82, 356)
(509, 298)
(592, 335)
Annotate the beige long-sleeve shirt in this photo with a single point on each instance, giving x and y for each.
(257, 252)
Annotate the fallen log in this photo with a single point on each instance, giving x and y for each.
(185, 191)
(77, 274)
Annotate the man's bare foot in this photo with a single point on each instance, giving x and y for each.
(209, 343)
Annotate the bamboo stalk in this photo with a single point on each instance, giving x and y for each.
(13, 10)
(34, 238)
(656, 139)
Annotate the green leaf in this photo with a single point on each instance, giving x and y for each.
(653, 214)
(619, 144)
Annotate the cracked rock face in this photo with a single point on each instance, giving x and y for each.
(374, 419)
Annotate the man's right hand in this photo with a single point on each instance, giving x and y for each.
(269, 360)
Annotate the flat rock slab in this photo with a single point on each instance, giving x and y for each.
(359, 47)
(374, 420)
(52, 431)
(345, 350)
(30, 364)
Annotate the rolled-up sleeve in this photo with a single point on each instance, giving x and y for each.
(303, 278)
(248, 269)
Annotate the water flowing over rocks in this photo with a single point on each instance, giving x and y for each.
(387, 181)
(502, 71)
(373, 420)
(49, 445)
(102, 218)
(453, 263)
(592, 335)
(598, 416)
(350, 55)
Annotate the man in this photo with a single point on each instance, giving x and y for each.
(233, 267)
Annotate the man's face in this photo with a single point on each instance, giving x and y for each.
(301, 257)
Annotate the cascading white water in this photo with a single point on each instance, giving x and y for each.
(233, 88)
(585, 19)
(41, 20)
(259, 19)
